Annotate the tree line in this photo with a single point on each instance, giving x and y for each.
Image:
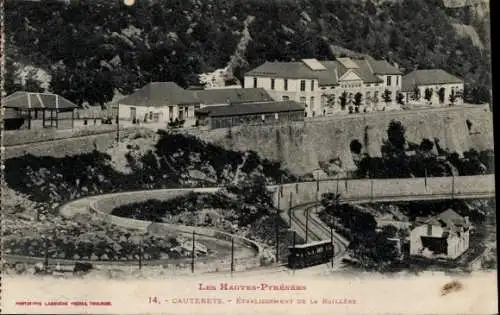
(91, 49)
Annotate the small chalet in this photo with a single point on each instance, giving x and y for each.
(227, 116)
(443, 236)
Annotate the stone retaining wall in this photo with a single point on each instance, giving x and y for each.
(294, 194)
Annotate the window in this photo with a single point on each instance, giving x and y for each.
(397, 80)
(255, 83)
(429, 229)
(286, 84)
(312, 101)
(272, 84)
(263, 117)
(186, 110)
(151, 115)
(285, 98)
(171, 112)
(312, 85)
(276, 116)
(303, 99)
(389, 79)
(302, 85)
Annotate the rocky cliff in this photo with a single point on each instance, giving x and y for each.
(301, 147)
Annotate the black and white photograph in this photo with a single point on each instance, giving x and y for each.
(243, 156)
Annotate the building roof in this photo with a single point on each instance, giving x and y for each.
(382, 67)
(160, 94)
(222, 96)
(428, 77)
(366, 68)
(32, 100)
(251, 108)
(448, 218)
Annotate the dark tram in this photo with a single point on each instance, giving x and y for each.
(310, 254)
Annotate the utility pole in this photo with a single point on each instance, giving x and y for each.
(277, 238)
(338, 183)
(46, 260)
(331, 238)
(425, 174)
(452, 185)
(307, 224)
(371, 186)
(294, 257)
(118, 123)
(290, 210)
(140, 254)
(193, 253)
(232, 255)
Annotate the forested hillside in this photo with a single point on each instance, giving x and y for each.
(90, 49)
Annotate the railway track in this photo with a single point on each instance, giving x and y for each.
(316, 229)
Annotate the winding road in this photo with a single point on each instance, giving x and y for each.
(304, 213)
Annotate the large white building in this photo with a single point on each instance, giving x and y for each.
(433, 87)
(329, 87)
(164, 102)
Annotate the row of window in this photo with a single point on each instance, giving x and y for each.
(303, 84)
(285, 84)
(352, 85)
(389, 80)
(183, 113)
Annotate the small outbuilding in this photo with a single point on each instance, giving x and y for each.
(40, 110)
(445, 235)
(235, 114)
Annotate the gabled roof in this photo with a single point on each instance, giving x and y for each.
(382, 67)
(428, 77)
(366, 68)
(289, 70)
(32, 100)
(251, 108)
(448, 218)
(160, 94)
(221, 96)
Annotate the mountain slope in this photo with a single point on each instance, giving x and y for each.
(92, 48)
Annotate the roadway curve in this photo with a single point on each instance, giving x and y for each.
(317, 229)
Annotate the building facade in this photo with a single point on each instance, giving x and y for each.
(159, 102)
(265, 113)
(445, 235)
(434, 87)
(328, 87)
(226, 96)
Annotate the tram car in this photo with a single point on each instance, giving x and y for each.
(310, 254)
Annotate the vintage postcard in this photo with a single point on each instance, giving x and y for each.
(247, 156)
